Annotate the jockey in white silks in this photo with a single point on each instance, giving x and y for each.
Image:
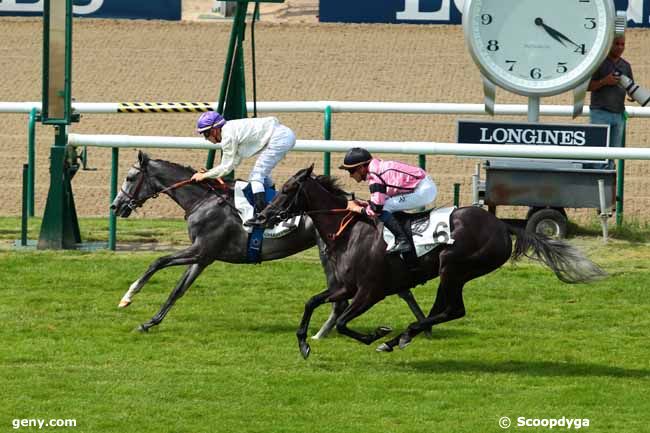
(243, 138)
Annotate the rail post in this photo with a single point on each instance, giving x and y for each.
(327, 135)
(31, 160)
(23, 219)
(112, 220)
(456, 194)
(620, 180)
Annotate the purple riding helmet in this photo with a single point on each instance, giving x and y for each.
(209, 120)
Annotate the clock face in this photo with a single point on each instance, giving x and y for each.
(538, 47)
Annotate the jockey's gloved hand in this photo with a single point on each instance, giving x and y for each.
(353, 206)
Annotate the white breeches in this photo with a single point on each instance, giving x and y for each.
(282, 141)
(424, 194)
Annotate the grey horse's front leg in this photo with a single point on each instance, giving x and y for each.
(330, 323)
(184, 257)
(192, 272)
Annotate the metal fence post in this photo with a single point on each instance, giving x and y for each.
(31, 160)
(23, 219)
(620, 180)
(456, 194)
(112, 220)
(327, 135)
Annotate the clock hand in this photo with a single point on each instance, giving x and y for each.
(554, 33)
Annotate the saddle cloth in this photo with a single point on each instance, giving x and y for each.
(246, 211)
(427, 233)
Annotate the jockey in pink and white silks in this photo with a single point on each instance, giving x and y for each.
(394, 186)
(243, 138)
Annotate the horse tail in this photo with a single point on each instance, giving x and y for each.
(567, 262)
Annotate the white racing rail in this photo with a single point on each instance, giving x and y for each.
(408, 147)
(315, 107)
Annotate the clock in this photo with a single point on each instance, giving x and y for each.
(538, 47)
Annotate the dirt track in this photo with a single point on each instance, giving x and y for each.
(183, 61)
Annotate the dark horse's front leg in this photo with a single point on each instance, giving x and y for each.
(359, 306)
(408, 297)
(192, 272)
(313, 303)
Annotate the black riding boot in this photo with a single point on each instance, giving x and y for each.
(259, 199)
(259, 203)
(402, 244)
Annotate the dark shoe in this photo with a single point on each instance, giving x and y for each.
(402, 244)
(259, 203)
(259, 199)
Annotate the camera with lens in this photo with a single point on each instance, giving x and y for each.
(633, 90)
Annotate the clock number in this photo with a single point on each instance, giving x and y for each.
(512, 64)
(493, 45)
(590, 24)
(536, 73)
(486, 19)
(580, 49)
(561, 67)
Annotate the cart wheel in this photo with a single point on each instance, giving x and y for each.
(549, 222)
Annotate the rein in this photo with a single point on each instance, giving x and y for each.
(135, 202)
(345, 222)
(284, 214)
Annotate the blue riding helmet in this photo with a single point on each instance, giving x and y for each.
(209, 120)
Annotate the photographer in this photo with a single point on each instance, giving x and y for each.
(607, 97)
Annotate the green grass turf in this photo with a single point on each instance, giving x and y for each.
(226, 358)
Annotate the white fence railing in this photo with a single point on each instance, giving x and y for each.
(334, 106)
(410, 147)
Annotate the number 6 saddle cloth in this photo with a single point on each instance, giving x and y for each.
(428, 229)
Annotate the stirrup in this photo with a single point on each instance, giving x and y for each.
(251, 221)
(400, 247)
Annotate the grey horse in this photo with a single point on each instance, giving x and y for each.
(215, 230)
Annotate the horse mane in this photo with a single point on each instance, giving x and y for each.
(332, 184)
(175, 165)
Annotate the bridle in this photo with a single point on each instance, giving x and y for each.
(135, 202)
(284, 214)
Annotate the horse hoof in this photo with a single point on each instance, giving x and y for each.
(305, 350)
(428, 334)
(123, 304)
(383, 331)
(404, 341)
(383, 347)
(143, 328)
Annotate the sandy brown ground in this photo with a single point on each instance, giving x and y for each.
(297, 59)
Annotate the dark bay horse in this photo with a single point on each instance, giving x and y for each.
(215, 230)
(367, 274)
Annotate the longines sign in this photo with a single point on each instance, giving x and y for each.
(149, 9)
(536, 134)
(436, 11)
